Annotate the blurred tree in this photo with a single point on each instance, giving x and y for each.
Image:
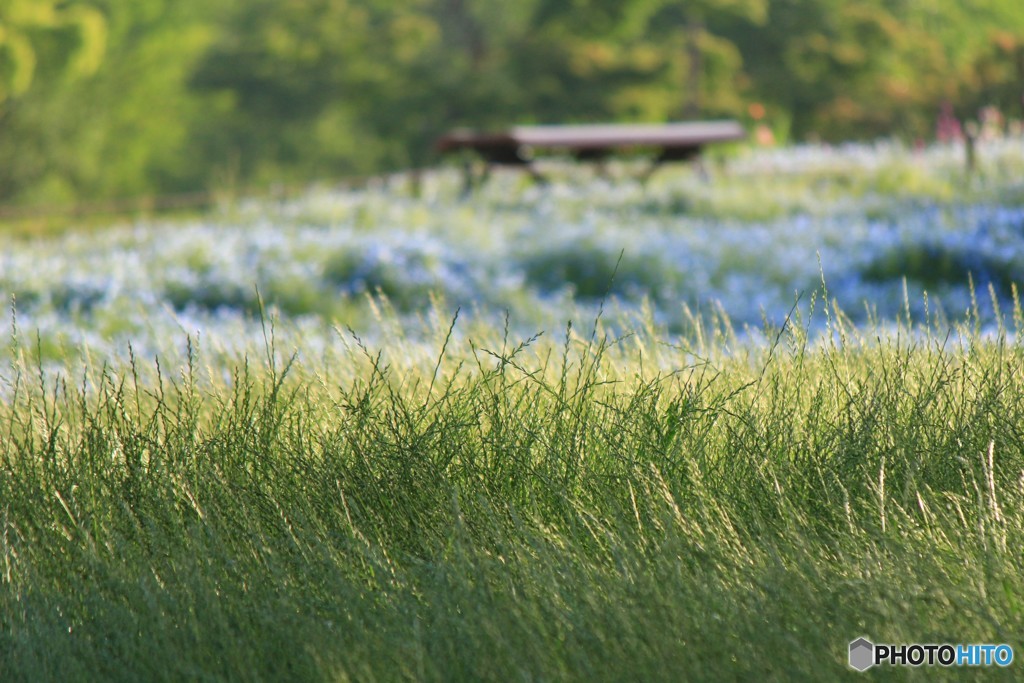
(303, 80)
(47, 34)
(713, 62)
(995, 78)
(354, 86)
(107, 98)
(41, 42)
(843, 68)
(123, 129)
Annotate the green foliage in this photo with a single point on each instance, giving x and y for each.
(116, 98)
(405, 278)
(593, 271)
(128, 129)
(45, 36)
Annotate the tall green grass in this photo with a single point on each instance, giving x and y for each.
(491, 508)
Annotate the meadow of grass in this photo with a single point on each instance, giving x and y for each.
(384, 489)
(518, 509)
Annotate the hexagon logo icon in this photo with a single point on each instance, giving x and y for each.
(862, 654)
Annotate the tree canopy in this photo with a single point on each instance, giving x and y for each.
(115, 98)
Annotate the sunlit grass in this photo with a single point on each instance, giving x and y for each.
(489, 507)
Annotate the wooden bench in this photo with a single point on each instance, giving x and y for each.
(517, 146)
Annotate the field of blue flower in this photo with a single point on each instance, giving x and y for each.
(881, 225)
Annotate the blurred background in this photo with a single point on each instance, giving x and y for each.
(106, 99)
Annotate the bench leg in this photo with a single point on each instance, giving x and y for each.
(536, 175)
(468, 178)
(646, 174)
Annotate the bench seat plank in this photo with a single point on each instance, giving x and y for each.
(596, 136)
(515, 146)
